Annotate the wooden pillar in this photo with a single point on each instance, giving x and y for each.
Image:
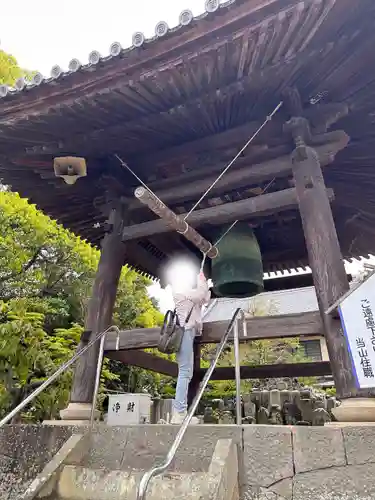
(324, 253)
(196, 379)
(98, 318)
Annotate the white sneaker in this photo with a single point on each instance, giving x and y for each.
(162, 422)
(194, 421)
(178, 418)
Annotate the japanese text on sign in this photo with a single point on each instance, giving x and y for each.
(358, 320)
(369, 320)
(130, 407)
(365, 361)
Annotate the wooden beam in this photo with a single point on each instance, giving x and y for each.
(324, 253)
(318, 369)
(156, 364)
(245, 176)
(175, 222)
(269, 327)
(99, 311)
(258, 206)
(146, 361)
(321, 118)
(253, 157)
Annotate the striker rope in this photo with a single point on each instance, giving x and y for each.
(268, 118)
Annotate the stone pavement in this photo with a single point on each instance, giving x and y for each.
(275, 462)
(317, 463)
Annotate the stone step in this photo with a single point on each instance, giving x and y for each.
(141, 447)
(276, 462)
(76, 482)
(30, 454)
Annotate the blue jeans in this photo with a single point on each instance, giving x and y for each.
(185, 360)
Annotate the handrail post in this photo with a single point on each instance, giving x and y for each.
(237, 373)
(148, 475)
(99, 372)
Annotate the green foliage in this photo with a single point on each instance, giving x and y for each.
(331, 392)
(9, 69)
(46, 275)
(29, 355)
(135, 309)
(39, 258)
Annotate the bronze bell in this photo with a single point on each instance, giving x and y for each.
(237, 271)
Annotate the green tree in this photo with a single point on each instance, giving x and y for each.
(40, 259)
(29, 354)
(10, 70)
(134, 308)
(46, 275)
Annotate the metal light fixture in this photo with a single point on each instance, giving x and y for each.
(70, 168)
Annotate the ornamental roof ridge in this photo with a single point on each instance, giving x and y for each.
(95, 59)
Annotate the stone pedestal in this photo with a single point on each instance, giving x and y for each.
(355, 410)
(341, 425)
(78, 411)
(66, 423)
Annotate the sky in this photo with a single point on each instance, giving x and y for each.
(43, 33)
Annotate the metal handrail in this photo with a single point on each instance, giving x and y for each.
(63, 368)
(155, 471)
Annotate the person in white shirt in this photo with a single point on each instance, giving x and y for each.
(189, 304)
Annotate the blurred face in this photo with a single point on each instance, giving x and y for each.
(181, 275)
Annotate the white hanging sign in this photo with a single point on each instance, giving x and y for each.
(357, 312)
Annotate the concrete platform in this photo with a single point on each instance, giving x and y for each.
(274, 462)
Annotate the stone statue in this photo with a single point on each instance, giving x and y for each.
(209, 417)
(276, 417)
(227, 418)
(249, 407)
(218, 404)
(272, 403)
(320, 416)
(291, 413)
(263, 416)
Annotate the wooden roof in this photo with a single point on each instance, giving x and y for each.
(178, 107)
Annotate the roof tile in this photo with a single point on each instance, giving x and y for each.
(162, 29)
